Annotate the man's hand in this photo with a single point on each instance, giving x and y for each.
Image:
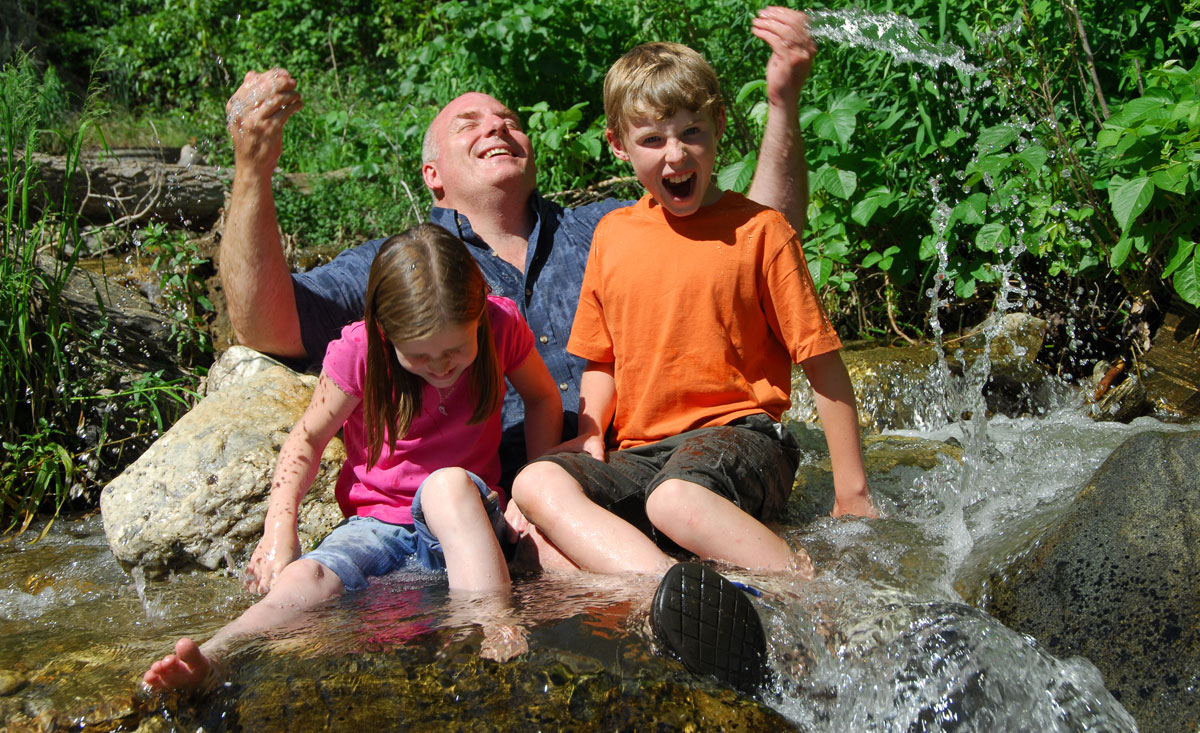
(255, 115)
(792, 51)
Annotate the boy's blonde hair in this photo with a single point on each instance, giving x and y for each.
(656, 80)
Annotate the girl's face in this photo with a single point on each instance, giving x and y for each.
(443, 357)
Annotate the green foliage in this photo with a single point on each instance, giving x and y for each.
(56, 410)
(181, 292)
(1148, 158)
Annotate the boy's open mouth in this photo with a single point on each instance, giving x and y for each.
(680, 186)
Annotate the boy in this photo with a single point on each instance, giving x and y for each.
(695, 303)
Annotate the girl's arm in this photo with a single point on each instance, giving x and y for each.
(543, 406)
(839, 419)
(299, 460)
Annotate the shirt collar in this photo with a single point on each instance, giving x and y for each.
(454, 221)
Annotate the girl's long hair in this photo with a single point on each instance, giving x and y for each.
(422, 281)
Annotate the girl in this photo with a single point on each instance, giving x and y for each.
(417, 387)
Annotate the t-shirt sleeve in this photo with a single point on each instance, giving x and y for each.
(590, 338)
(346, 359)
(332, 295)
(790, 301)
(510, 332)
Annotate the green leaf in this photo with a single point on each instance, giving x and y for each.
(1129, 198)
(737, 176)
(837, 182)
(749, 87)
(994, 139)
(1187, 281)
(1173, 179)
(1034, 157)
(836, 125)
(1180, 251)
(990, 235)
(864, 210)
(1120, 253)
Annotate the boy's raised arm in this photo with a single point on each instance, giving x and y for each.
(839, 419)
(781, 179)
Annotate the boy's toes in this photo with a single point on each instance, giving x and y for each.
(186, 668)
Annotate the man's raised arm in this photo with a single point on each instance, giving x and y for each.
(781, 179)
(254, 272)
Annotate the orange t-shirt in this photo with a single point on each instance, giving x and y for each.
(702, 315)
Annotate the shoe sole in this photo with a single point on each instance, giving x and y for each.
(710, 625)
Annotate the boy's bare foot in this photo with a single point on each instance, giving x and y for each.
(186, 669)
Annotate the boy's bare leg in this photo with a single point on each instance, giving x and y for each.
(301, 585)
(712, 527)
(589, 535)
(456, 515)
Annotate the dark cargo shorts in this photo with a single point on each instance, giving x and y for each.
(751, 462)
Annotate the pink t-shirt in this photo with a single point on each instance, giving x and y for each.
(434, 440)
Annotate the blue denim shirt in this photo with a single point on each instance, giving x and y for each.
(330, 296)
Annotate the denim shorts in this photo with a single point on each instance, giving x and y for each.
(365, 547)
(491, 502)
(751, 462)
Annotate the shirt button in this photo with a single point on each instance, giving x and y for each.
(528, 292)
(544, 339)
(562, 386)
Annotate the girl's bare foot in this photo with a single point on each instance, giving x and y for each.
(187, 668)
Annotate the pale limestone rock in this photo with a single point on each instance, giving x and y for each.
(198, 496)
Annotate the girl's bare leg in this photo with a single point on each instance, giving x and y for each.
(456, 515)
(302, 585)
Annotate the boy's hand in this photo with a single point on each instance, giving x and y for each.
(255, 115)
(792, 51)
(272, 555)
(593, 445)
(860, 505)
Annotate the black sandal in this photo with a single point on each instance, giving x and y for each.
(709, 624)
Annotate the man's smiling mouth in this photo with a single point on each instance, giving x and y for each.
(496, 151)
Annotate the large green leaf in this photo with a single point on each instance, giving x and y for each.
(1187, 281)
(1129, 198)
(836, 125)
(839, 183)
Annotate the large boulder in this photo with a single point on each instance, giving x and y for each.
(1115, 580)
(198, 496)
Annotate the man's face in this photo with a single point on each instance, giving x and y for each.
(673, 158)
(480, 145)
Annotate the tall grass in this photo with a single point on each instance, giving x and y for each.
(67, 420)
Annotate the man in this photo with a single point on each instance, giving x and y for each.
(478, 164)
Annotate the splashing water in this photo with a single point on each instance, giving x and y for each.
(891, 33)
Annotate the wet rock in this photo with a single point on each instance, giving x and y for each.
(11, 682)
(239, 364)
(906, 387)
(199, 494)
(1115, 580)
(1121, 403)
(891, 462)
(1173, 387)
